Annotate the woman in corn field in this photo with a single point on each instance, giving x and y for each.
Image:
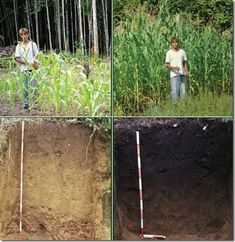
(26, 50)
(176, 62)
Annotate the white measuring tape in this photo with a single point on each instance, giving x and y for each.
(142, 235)
(21, 174)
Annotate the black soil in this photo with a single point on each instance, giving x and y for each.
(187, 176)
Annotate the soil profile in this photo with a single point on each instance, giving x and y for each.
(66, 184)
(187, 173)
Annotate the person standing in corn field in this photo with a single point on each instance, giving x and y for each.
(176, 62)
(25, 53)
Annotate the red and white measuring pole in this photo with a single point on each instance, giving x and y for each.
(142, 235)
(140, 186)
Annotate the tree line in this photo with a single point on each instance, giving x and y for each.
(63, 25)
(218, 13)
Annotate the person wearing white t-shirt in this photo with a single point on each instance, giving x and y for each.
(176, 62)
(25, 53)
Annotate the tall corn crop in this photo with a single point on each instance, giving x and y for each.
(140, 46)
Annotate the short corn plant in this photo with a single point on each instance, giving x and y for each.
(64, 84)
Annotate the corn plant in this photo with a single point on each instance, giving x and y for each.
(140, 46)
(63, 85)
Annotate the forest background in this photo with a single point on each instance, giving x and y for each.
(74, 38)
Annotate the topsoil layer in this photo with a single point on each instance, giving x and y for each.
(66, 182)
(187, 172)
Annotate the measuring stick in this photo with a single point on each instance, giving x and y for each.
(140, 186)
(21, 174)
(142, 235)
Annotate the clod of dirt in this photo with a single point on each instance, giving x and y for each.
(66, 192)
(187, 178)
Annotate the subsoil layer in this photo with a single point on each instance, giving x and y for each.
(187, 172)
(66, 185)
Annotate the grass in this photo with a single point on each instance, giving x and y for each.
(205, 104)
(140, 46)
(66, 85)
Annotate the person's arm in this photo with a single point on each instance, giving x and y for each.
(19, 60)
(18, 57)
(35, 63)
(185, 65)
(172, 68)
(169, 66)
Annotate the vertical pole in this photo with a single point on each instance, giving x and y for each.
(21, 174)
(140, 186)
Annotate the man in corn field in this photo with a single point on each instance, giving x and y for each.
(26, 50)
(176, 62)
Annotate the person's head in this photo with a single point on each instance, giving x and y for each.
(175, 43)
(24, 34)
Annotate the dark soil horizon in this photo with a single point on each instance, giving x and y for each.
(187, 172)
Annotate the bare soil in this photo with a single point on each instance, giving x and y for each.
(7, 109)
(187, 172)
(66, 182)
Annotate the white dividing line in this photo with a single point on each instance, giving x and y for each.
(21, 174)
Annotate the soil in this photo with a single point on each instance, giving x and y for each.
(66, 194)
(187, 172)
(18, 110)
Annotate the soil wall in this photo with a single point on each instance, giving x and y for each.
(66, 182)
(187, 171)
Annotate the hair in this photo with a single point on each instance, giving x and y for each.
(175, 39)
(23, 31)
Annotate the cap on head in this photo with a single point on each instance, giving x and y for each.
(23, 31)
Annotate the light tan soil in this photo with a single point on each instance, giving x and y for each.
(66, 182)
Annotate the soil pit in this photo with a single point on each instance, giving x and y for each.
(187, 172)
(66, 193)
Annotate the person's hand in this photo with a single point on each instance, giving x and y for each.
(176, 69)
(186, 72)
(35, 65)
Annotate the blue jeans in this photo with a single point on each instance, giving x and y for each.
(30, 86)
(178, 87)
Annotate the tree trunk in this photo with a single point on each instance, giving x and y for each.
(90, 29)
(95, 30)
(80, 27)
(106, 33)
(67, 25)
(63, 24)
(107, 27)
(71, 20)
(58, 24)
(36, 22)
(75, 22)
(48, 25)
(15, 15)
(28, 19)
(84, 28)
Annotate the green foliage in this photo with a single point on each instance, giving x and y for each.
(140, 46)
(218, 13)
(64, 86)
(121, 9)
(205, 104)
